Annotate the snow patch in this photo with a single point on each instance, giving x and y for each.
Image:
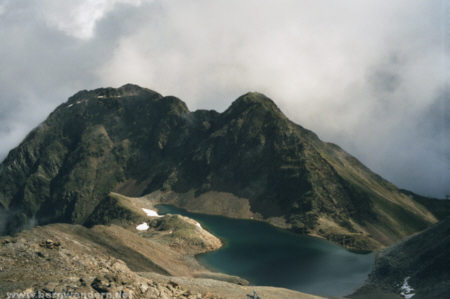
(143, 226)
(406, 289)
(151, 213)
(110, 96)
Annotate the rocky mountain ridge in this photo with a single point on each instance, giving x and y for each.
(250, 158)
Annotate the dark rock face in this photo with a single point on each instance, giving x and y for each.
(134, 141)
(422, 260)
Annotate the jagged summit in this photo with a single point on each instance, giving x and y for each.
(250, 100)
(249, 161)
(127, 90)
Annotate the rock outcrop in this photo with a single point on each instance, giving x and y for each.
(419, 267)
(71, 261)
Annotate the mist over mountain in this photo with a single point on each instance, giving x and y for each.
(367, 76)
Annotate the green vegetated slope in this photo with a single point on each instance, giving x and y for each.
(134, 141)
(422, 259)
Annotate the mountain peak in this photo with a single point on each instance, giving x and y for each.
(130, 86)
(127, 90)
(252, 100)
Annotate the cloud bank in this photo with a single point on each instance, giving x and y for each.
(369, 76)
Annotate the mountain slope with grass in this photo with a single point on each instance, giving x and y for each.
(418, 266)
(250, 161)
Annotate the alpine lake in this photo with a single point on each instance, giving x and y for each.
(268, 256)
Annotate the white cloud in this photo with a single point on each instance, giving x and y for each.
(369, 75)
(359, 74)
(317, 60)
(78, 18)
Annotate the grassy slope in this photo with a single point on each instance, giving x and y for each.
(423, 257)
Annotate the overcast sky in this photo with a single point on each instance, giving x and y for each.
(371, 76)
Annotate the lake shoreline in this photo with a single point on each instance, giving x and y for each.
(266, 255)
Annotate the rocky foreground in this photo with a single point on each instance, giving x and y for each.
(72, 261)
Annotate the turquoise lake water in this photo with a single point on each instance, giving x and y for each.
(266, 255)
